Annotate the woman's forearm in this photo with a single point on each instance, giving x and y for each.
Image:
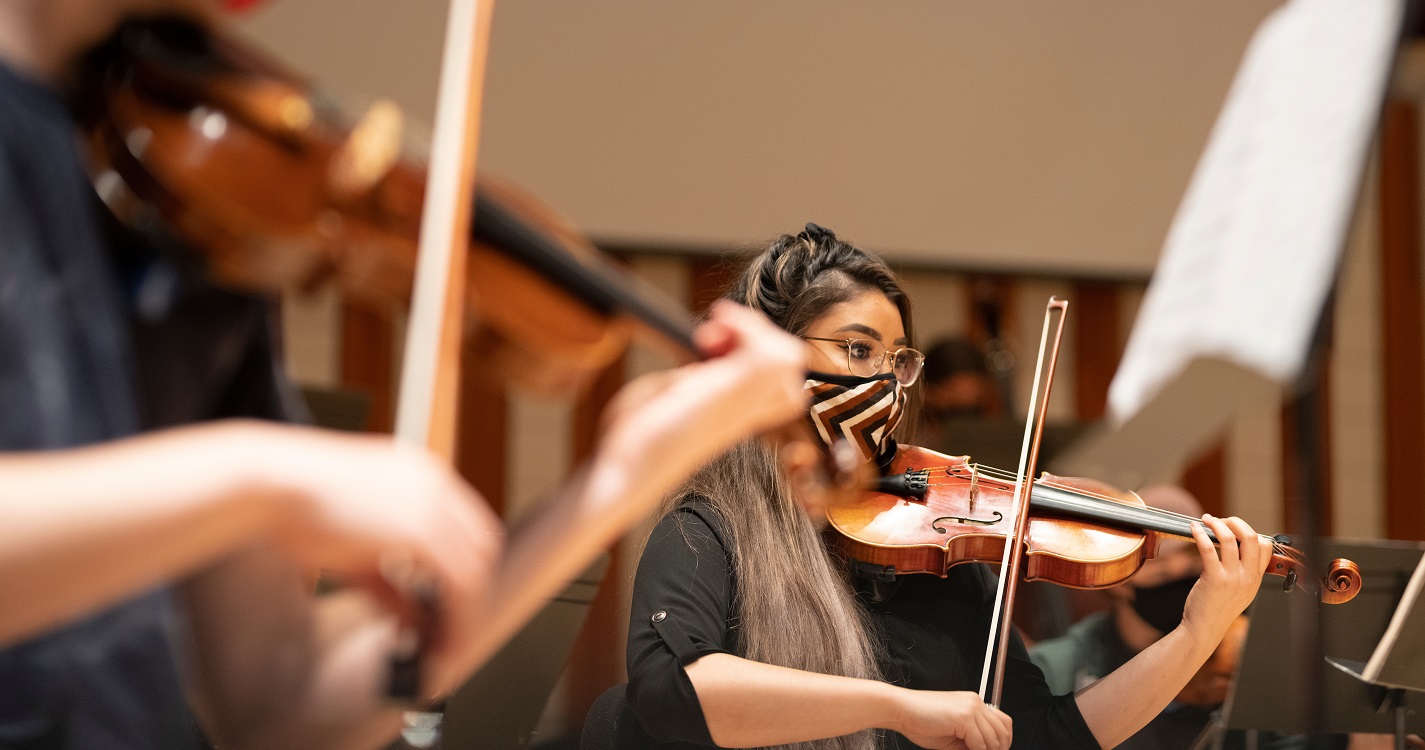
(1125, 701)
(82, 528)
(555, 542)
(750, 704)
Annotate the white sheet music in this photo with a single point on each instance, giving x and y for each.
(1253, 249)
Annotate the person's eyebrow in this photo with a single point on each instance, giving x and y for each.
(869, 331)
(858, 328)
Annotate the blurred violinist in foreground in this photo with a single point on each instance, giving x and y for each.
(149, 579)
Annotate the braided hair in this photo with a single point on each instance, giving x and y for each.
(799, 277)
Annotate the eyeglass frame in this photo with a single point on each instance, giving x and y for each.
(889, 352)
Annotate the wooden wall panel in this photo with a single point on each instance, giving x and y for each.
(1094, 312)
(367, 356)
(482, 442)
(1291, 471)
(1206, 479)
(596, 662)
(991, 305)
(1401, 315)
(709, 277)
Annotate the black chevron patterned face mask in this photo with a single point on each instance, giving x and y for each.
(860, 410)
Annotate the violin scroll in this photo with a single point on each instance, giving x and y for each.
(1341, 583)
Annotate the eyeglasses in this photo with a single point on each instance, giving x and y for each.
(864, 358)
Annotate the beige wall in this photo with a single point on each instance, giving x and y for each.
(1033, 134)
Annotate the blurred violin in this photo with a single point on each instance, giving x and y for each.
(198, 138)
(935, 511)
(214, 151)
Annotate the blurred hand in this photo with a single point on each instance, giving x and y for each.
(951, 721)
(374, 512)
(1231, 574)
(670, 423)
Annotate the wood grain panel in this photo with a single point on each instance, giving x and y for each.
(482, 436)
(1292, 494)
(367, 343)
(709, 277)
(1206, 479)
(1404, 362)
(1094, 309)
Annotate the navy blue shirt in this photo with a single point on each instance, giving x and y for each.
(67, 379)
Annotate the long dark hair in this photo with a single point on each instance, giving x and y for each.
(794, 605)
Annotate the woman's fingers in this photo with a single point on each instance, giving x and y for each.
(974, 738)
(1005, 726)
(989, 732)
(1255, 556)
(1206, 549)
(1228, 553)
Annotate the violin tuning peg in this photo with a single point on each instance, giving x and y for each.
(370, 152)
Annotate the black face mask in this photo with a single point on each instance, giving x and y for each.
(1162, 606)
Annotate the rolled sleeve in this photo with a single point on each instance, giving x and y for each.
(682, 607)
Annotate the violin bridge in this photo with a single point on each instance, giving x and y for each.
(974, 484)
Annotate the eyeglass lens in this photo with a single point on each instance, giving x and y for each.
(864, 358)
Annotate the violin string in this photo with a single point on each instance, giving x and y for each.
(1088, 499)
(1075, 490)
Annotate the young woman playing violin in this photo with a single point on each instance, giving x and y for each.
(747, 632)
(106, 535)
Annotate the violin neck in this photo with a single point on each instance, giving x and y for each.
(593, 280)
(1111, 513)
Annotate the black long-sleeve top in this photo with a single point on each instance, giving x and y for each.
(934, 632)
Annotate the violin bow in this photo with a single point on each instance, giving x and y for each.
(430, 369)
(997, 645)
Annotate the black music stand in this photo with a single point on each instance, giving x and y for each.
(1397, 666)
(1270, 693)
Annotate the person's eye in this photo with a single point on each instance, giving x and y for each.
(860, 349)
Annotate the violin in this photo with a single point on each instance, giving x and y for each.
(201, 143)
(207, 144)
(934, 511)
(231, 164)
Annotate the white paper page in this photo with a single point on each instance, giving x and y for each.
(1255, 244)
